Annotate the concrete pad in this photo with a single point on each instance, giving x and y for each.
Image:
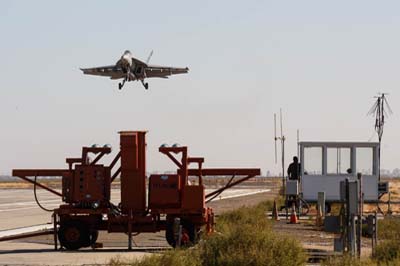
(12, 253)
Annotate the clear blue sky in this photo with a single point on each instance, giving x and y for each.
(322, 62)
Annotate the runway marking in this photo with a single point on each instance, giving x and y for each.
(27, 203)
(28, 208)
(23, 230)
(241, 195)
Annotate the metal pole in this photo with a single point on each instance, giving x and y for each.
(359, 234)
(283, 165)
(130, 230)
(298, 145)
(283, 176)
(348, 220)
(180, 236)
(55, 231)
(375, 234)
(360, 214)
(283, 152)
(379, 160)
(353, 235)
(177, 228)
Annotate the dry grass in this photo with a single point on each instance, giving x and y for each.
(244, 237)
(52, 183)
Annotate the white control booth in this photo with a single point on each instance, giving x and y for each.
(325, 164)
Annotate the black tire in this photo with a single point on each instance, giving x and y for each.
(93, 235)
(187, 228)
(73, 235)
(169, 234)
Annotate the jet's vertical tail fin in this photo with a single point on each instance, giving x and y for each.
(149, 57)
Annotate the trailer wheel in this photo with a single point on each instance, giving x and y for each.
(73, 235)
(93, 235)
(188, 237)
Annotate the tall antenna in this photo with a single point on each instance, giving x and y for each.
(298, 143)
(282, 140)
(378, 110)
(275, 139)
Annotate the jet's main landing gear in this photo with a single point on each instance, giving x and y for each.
(145, 85)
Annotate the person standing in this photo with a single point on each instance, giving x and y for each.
(293, 170)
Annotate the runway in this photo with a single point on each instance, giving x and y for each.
(19, 211)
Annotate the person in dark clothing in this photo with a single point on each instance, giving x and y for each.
(293, 170)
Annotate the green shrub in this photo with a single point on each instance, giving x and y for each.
(347, 261)
(250, 246)
(168, 258)
(254, 216)
(387, 251)
(389, 228)
(244, 238)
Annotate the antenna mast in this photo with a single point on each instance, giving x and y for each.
(378, 110)
(282, 140)
(275, 138)
(298, 143)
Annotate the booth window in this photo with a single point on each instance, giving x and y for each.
(338, 161)
(364, 160)
(313, 161)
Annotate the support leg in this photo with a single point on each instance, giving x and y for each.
(55, 231)
(130, 231)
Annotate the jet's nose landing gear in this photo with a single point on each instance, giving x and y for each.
(121, 84)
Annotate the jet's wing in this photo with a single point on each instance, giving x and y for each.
(164, 72)
(113, 71)
(139, 62)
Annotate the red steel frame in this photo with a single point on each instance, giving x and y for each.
(135, 215)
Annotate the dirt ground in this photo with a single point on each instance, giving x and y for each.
(394, 188)
(313, 237)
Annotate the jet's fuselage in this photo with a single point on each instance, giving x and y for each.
(125, 62)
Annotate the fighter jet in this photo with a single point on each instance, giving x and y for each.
(130, 68)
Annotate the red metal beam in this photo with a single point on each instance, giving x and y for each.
(173, 159)
(115, 174)
(39, 172)
(115, 160)
(225, 172)
(23, 173)
(71, 161)
(94, 150)
(99, 156)
(195, 160)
